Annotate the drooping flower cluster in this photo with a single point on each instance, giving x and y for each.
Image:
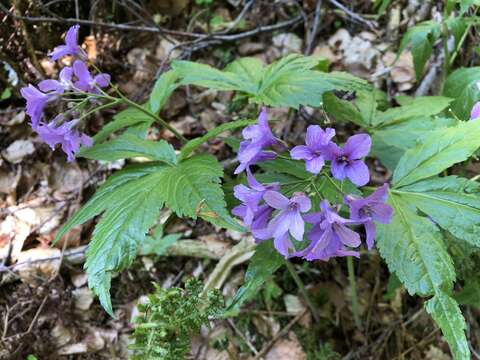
(75, 81)
(271, 215)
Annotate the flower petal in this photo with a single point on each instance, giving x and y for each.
(357, 172)
(315, 164)
(370, 231)
(357, 146)
(302, 201)
(338, 170)
(102, 80)
(475, 113)
(347, 236)
(276, 200)
(297, 226)
(301, 152)
(382, 213)
(283, 244)
(72, 37)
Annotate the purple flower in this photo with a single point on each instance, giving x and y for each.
(36, 101)
(71, 45)
(288, 220)
(370, 209)
(316, 142)
(85, 80)
(347, 162)
(329, 235)
(58, 86)
(475, 113)
(64, 134)
(257, 138)
(250, 198)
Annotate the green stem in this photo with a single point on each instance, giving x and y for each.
(334, 184)
(353, 289)
(101, 107)
(302, 289)
(162, 122)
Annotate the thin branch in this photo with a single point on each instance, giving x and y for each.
(313, 33)
(352, 14)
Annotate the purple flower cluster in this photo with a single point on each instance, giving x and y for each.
(76, 81)
(271, 215)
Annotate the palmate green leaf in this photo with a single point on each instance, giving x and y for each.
(437, 152)
(286, 166)
(263, 264)
(129, 146)
(452, 202)
(193, 189)
(421, 106)
(446, 313)
(114, 243)
(248, 69)
(163, 88)
(192, 73)
(414, 249)
(421, 38)
(462, 85)
(470, 293)
(390, 142)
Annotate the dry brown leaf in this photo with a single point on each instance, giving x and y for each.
(38, 263)
(285, 349)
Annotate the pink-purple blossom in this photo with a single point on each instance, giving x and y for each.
(347, 161)
(71, 45)
(329, 236)
(250, 196)
(36, 102)
(288, 220)
(86, 82)
(475, 113)
(64, 134)
(257, 137)
(58, 86)
(371, 209)
(316, 142)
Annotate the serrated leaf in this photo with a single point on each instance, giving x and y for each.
(446, 313)
(249, 69)
(452, 202)
(113, 246)
(162, 90)
(420, 107)
(126, 118)
(192, 73)
(263, 264)
(286, 166)
(389, 143)
(129, 146)
(421, 38)
(463, 86)
(193, 189)
(414, 249)
(189, 147)
(437, 152)
(360, 111)
(106, 195)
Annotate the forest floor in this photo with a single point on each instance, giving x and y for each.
(46, 308)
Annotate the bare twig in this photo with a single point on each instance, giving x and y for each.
(281, 333)
(242, 336)
(352, 14)
(313, 33)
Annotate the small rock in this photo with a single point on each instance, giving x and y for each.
(38, 262)
(250, 48)
(340, 40)
(288, 43)
(17, 150)
(83, 298)
(78, 280)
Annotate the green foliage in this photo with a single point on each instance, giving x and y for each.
(169, 319)
(446, 313)
(437, 152)
(128, 146)
(452, 202)
(470, 294)
(462, 85)
(189, 147)
(130, 202)
(288, 82)
(158, 243)
(163, 88)
(264, 263)
(421, 38)
(391, 141)
(414, 249)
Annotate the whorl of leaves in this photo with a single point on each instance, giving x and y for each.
(170, 317)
